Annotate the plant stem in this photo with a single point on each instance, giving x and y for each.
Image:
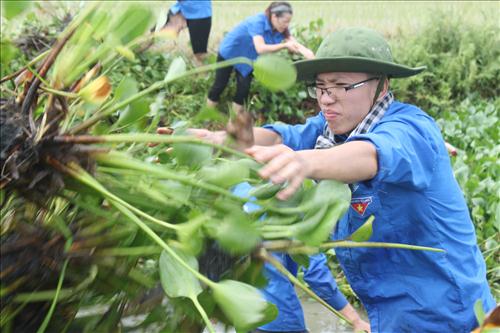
(146, 138)
(155, 86)
(129, 251)
(121, 160)
(46, 321)
(270, 259)
(300, 247)
(77, 172)
(29, 64)
(344, 243)
(63, 294)
(203, 314)
(60, 93)
(82, 176)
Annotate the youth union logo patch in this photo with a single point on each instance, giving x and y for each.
(360, 204)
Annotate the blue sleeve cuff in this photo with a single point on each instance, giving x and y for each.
(302, 136)
(337, 301)
(322, 282)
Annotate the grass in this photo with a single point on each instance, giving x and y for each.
(389, 17)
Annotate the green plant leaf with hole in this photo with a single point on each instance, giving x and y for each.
(274, 72)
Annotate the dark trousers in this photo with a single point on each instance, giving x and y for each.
(199, 30)
(222, 78)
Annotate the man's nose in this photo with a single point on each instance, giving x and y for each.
(325, 98)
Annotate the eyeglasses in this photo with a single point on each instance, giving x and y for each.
(339, 92)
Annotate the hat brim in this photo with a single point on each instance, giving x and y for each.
(308, 69)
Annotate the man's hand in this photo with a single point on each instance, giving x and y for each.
(283, 165)
(217, 137)
(360, 325)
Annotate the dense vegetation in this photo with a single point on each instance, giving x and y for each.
(105, 253)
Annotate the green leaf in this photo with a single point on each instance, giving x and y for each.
(175, 279)
(9, 51)
(126, 88)
(176, 69)
(192, 155)
(479, 311)
(243, 304)
(322, 231)
(265, 191)
(190, 235)
(133, 112)
(225, 174)
(363, 233)
(125, 52)
(274, 72)
(301, 259)
(311, 220)
(11, 9)
(134, 22)
(237, 234)
(210, 114)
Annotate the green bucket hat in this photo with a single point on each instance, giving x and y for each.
(359, 50)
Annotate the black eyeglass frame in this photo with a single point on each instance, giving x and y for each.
(313, 87)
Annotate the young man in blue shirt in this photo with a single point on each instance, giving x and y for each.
(394, 158)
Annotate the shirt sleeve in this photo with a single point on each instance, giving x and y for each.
(176, 7)
(255, 27)
(300, 137)
(407, 153)
(321, 281)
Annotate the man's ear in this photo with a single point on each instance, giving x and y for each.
(385, 89)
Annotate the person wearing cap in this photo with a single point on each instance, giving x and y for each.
(197, 15)
(262, 33)
(394, 158)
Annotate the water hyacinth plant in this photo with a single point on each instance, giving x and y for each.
(94, 220)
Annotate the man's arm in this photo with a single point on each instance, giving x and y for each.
(351, 162)
(262, 136)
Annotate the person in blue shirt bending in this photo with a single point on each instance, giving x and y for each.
(395, 159)
(197, 15)
(263, 33)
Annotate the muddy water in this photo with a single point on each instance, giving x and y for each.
(320, 320)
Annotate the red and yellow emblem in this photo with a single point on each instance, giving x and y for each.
(360, 204)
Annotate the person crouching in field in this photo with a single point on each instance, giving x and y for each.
(263, 33)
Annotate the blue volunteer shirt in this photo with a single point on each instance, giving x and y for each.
(193, 9)
(281, 292)
(239, 41)
(415, 200)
